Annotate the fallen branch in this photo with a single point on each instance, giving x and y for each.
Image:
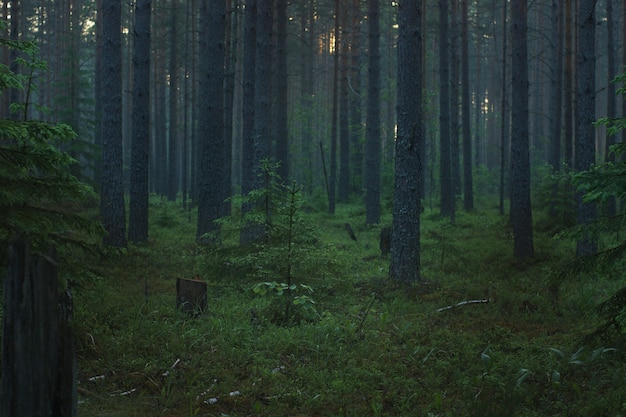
(462, 303)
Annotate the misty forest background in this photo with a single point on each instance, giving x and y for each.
(398, 208)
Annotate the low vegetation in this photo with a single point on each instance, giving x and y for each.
(357, 344)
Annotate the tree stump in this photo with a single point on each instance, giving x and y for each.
(38, 355)
(385, 241)
(191, 295)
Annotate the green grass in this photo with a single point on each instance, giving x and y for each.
(373, 348)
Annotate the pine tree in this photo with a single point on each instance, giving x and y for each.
(38, 192)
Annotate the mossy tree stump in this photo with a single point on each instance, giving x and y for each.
(191, 295)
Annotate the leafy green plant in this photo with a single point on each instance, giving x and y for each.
(288, 250)
(291, 302)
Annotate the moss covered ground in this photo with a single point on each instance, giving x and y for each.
(362, 345)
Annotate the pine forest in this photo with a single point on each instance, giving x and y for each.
(313, 208)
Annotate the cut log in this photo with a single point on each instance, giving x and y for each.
(191, 295)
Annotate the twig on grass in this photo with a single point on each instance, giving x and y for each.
(462, 303)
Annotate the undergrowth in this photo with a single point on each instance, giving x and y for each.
(375, 348)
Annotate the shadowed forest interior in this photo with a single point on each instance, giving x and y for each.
(315, 207)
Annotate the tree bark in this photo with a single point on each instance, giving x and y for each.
(211, 122)
(139, 192)
(445, 165)
(173, 174)
(372, 140)
(585, 114)
(521, 214)
(405, 235)
(282, 86)
(468, 186)
(112, 209)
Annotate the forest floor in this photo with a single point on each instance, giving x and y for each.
(366, 346)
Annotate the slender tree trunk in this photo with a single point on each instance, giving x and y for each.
(354, 100)
(468, 187)
(554, 155)
(445, 165)
(248, 109)
(611, 107)
(504, 118)
(407, 207)
(455, 125)
(97, 85)
(585, 113)
(334, 121)
(187, 103)
(372, 140)
(138, 221)
(344, 108)
(249, 55)
(263, 90)
(568, 98)
(173, 151)
(229, 99)
(112, 209)
(521, 210)
(282, 86)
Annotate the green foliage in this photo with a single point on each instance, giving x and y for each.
(39, 198)
(372, 348)
(288, 254)
(599, 184)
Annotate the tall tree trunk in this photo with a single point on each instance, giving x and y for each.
(455, 125)
(407, 207)
(504, 117)
(468, 185)
(159, 137)
(112, 209)
(249, 56)
(138, 220)
(372, 140)
(232, 27)
(521, 214)
(344, 109)
(335, 111)
(585, 113)
(354, 100)
(173, 151)
(189, 77)
(568, 98)
(447, 208)
(554, 154)
(211, 122)
(263, 89)
(611, 106)
(248, 109)
(281, 88)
